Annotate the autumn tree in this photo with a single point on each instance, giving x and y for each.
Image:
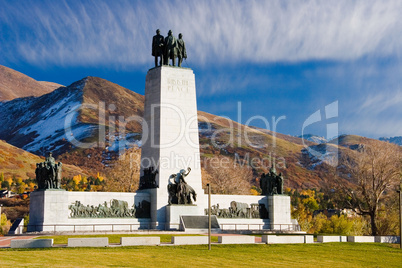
(369, 176)
(227, 176)
(124, 176)
(306, 205)
(4, 224)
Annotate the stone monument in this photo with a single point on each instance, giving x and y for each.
(170, 188)
(170, 144)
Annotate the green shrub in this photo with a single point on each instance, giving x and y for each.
(4, 224)
(340, 225)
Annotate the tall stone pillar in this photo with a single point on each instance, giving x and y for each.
(170, 135)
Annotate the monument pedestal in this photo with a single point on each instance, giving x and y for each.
(48, 207)
(173, 213)
(170, 135)
(170, 143)
(279, 211)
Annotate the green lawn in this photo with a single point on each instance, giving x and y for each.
(302, 255)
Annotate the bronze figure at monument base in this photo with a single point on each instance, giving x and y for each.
(271, 183)
(148, 180)
(179, 191)
(48, 174)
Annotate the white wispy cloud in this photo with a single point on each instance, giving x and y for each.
(119, 33)
(376, 114)
(380, 102)
(372, 126)
(232, 81)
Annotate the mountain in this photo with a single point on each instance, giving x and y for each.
(98, 111)
(71, 117)
(314, 138)
(92, 121)
(396, 140)
(14, 85)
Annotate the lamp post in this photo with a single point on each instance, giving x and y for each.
(400, 215)
(209, 216)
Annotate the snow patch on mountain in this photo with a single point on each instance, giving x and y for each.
(322, 153)
(313, 138)
(51, 126)
(206, 129)
(120, 142)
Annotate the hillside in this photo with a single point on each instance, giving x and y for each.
(15, 162)
(253, 143)
(14, 85)
(112, 100)
(348, 140)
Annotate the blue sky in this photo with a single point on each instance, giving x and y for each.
(277, 58)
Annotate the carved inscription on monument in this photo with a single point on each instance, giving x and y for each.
(177, 85)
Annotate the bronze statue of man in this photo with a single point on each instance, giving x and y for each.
(50, 165)
(170, 48)
(279, 182)
(264, 183)
(181, 47)
(50, 159)
(158, 47)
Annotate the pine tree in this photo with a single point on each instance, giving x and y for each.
(5, 184)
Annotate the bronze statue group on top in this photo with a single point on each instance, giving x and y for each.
(168, 48)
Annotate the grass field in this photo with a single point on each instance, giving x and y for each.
(260, 255)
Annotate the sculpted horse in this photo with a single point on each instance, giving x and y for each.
(120, 208)
(190, 193)
(73, 210)
(185, 194)
(239, 210)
